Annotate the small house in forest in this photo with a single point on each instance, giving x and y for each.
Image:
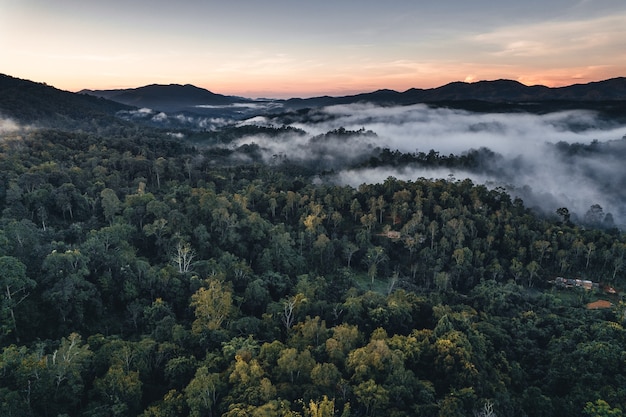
(576, 283)
(599, 305)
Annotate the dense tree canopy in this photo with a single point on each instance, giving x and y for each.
(141, 275)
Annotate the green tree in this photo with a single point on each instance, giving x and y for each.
(326, 377)
(345, 338)
(203, 391)
(454, 358)
(172, 405)
(183, 257)
(516, 269)
(320, 408)
(532, 268)
(111, 204)
(310, 333)
(290, 307)
(212, 304)
(68, 290)
(374, 257)
(119, 391)
(15, 286)
(373, 361)
(66, 366)
(601, 408)
(248, 382)
(349, 249)
(295, 365)
(372, 396)
(66, 198)
(322, 245)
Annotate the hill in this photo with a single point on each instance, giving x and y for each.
(498, 91)
(479, 95)
(170, 98)
(143, 275)
(38, 104)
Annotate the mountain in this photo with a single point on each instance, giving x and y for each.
(498, 91)
(169, 98)
(38, 104)
(176, 97)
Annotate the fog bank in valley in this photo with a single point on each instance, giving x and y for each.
(570, 159)
(173, 120)
(8, 125)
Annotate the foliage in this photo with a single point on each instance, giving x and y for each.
(143, 276)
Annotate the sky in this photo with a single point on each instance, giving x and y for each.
(293, 48)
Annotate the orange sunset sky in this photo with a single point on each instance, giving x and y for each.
(289, 48)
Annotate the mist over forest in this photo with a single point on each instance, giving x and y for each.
(234, 258)
(550, 154)
(571, 159)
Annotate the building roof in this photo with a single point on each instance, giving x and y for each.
(600, 304)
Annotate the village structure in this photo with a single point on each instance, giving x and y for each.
(584, 284)
(599, 305)
(588, 286)
(576, 283)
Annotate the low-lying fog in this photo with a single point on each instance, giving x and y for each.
(7, 125)
(530, 165)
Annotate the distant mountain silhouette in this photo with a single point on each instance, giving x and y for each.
(170, 98)
(38, 104)
(176, 97)
(498, 91)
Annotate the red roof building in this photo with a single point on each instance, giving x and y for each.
(600, 304)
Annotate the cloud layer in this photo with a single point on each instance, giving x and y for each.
(178, 120)
(8, 125)
(532, 160)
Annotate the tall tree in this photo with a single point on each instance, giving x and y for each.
(111, 204)
(15, 286)
(212, 304)
(68, 290)
(374, 257)
(203, 391)
(67, 366)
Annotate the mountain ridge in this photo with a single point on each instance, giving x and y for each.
(166, 97)
(36, 103)
(39, 104)
(501, 90)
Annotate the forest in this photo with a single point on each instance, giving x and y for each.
(147, 275)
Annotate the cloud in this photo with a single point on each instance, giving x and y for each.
(329, 151)
(8, 125)
(178, 120)
(420, 127)
(356, 177)
(176, 135)
(536, 158)
(577, 40)
(252, 105)
(159, 117)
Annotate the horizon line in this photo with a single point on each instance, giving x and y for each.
(321, 95)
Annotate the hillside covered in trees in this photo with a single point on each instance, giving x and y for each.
(147, 275)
